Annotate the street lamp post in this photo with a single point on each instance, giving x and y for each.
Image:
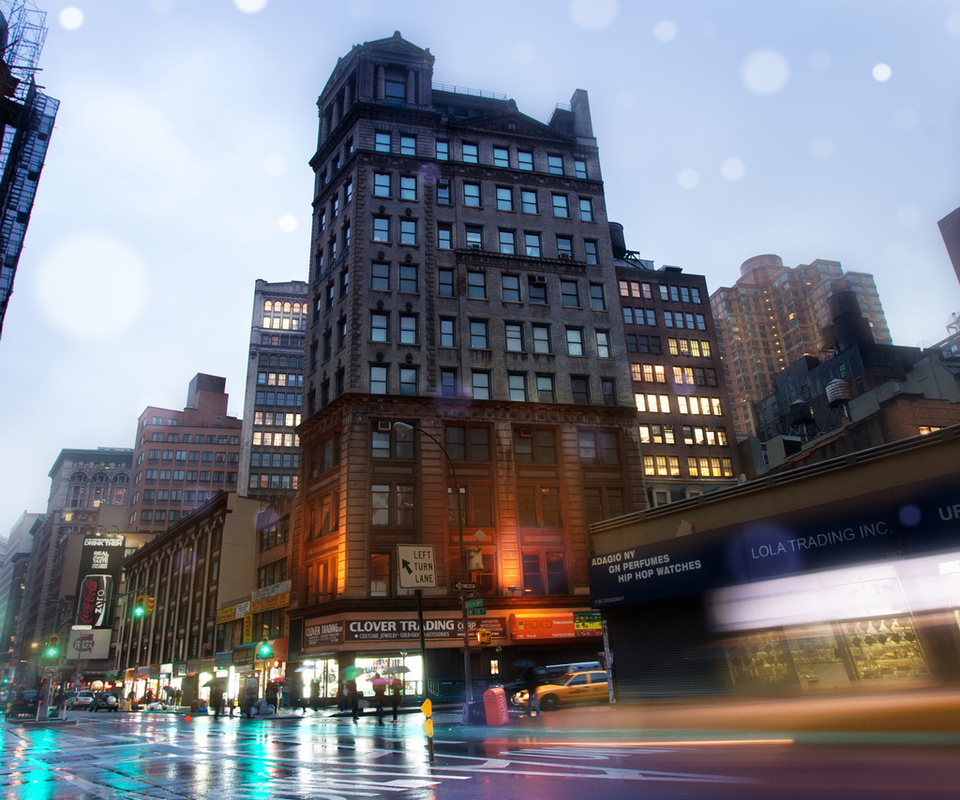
(467, 682)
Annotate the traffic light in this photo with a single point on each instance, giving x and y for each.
(53, 647)
(148, 605)
(264, 650)
(484, 637)
(140, 607)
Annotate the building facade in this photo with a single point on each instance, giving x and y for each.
(202, 563)
(14, 561)
(89, 489)
(466, 381)
(183, 458)
(26, 122)
(686, 423)
(269, 445)
(774, 315)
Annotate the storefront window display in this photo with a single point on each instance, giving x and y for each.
(408, 668)
(885, 648)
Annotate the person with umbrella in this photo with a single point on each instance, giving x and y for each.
(353, 698)
(379, 690)
(395, 685)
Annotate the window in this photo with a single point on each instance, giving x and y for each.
(508, 243)
(443, 192)
(608, 391)
(517, 386)
(445, 283)
(580, 389)
(537, 289)
(598, 301)
(541, 338)
(471, 194)
(448, 332)
(555, 164)
(603, 344)
(409, 278)
(348, 192)
(478, 334)
(560, 206)
(381, 229)
(579, 168)
(545, 389)
(381, 142)
(470, 153)
(565, 247)
(525, 160)
(408, 329)
(510, 284)
(442, 150)
(408, 188)
(513, 333)
(467, 444)
(586, 209)
(539, 506)
(380, 277)
(395, 90)
(528, 201)
(378, 327)
(408, 381)
(480, 385)
(473, 234)
(653, 403)
(569, 294)
(378, 379)
(531, 244)
(448, 382)
(574, 341)
(504, 198)
(501, 157)
(598, 447)
(534, 446)
(381, 184)
(590, 251)
(477, 285)
(392, 505)
(408, 145)
(444, 237)
(408, 231)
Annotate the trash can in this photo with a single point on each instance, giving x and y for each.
(495, 706)
(475, 714)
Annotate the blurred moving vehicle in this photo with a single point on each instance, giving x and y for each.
(105, 701)
(80, 700)
(574, 687)
(516, 690)
(22, 704)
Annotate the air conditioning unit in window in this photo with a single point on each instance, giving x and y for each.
(566, 257)
(538, 280)
(473, 246)
(526, 433)
(384, 425)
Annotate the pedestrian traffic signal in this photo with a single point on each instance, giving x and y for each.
(140, 607)
(53, 647)
(148, 605)
(264, 650)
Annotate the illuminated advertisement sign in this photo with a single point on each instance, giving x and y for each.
(101, 557)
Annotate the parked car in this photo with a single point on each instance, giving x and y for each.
(574, 687)
(105, 701)
(80, 700)
(23, 704)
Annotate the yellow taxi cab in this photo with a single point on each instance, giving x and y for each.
(574, 687)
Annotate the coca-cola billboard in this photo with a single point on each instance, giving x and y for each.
(101, 558)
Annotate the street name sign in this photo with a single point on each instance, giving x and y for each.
(417, 568)
(474, 602)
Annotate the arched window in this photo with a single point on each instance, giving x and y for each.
(268, 306)
(286, 308)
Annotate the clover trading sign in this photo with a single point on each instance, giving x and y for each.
(417, 570)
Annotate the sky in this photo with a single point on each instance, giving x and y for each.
(178, 175)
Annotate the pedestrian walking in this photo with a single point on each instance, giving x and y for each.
(353, 698)
(216, 699)
(379, 691)
(533, 702)
(396, 689)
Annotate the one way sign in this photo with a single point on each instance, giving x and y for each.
(417, 570)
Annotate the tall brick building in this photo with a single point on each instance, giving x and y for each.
(464, 351)
(775, 315)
